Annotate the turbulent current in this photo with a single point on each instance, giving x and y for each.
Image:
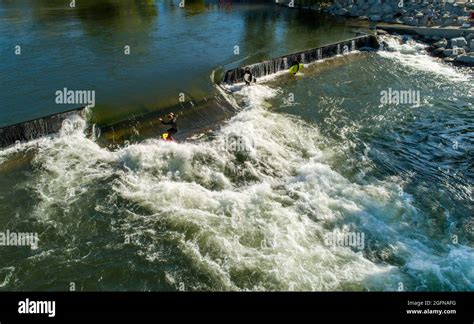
(250, 206)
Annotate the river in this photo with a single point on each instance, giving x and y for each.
(249, 205)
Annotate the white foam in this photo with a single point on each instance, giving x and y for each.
(248, 220)
(245, 226)
(414, 56)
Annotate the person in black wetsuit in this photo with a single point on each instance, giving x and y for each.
(248, 77)
(174, 125)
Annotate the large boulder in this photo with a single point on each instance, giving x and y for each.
(409, 21)
(354, 10)
(463, 21)
(471, 45)
(423, 21)
(451, 7)
(448, 52)
(376, 9)
(448, 21)
(332, 9)
(427, 10)
(441, 43)
(458, 41)
(438, 21)
(341, 12)
(419, 15)
(458, 22)
(387, 8)
(466, 59)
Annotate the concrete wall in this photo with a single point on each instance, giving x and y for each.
(284, 62)
(34, 129)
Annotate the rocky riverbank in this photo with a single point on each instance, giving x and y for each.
(412, 13)
(416, 13)
(449, 14)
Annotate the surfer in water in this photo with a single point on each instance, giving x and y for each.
(295, 67)
(174, 127)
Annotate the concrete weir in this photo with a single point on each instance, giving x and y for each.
(149, 124)
(36, 128)
(312, 55)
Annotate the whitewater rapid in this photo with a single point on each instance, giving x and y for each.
(246, 207)
(252, 219)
